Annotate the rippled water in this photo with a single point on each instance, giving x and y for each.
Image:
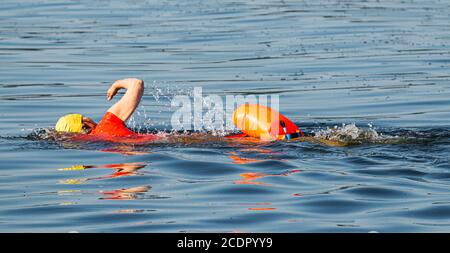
(379, 67)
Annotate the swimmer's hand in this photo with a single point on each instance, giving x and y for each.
(125, 107)
(123, 84)
(112, 91)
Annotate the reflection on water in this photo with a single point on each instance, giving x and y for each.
(241, 160)
(124, 150)
(120, 170)
(262, 208)
(125, 194)
(250, 177)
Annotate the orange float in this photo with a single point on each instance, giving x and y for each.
(264, 123)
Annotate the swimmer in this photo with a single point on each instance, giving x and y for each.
(257, 123)
(112, 125)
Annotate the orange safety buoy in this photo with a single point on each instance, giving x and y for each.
(265, 123)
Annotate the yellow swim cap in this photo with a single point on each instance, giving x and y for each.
(70, 123)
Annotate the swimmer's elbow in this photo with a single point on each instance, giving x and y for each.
(138, 87)
(138, 83)
(130, 83)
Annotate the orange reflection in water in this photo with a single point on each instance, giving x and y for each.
(124, 169)
(262, 208)
(125, 194)
(120, 170)
(124, 150)
(258, 150)
(239, 159)
(236, 159)
(248, 178)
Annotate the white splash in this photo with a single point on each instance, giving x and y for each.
(348, 133)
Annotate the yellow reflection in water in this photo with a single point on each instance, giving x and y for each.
(120, 170)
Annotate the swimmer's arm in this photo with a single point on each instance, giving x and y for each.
(125, 107)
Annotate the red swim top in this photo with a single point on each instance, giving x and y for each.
(112, 128)
(111, 125)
